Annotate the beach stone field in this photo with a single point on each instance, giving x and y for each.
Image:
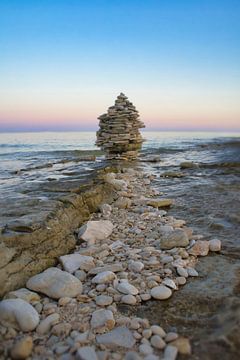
(131, 252)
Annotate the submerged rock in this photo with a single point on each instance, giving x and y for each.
(55, 283)
(200, 248)
(159, 203)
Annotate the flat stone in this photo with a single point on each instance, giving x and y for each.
(18, 314)
(102, 320)
(188, 165)
(125, 288)
(169, 283)
(111, 267)
(192, 272)
(120, 336)
(136, 266)
(215, 245)
(104, 277)
(182, 272)
(73, 262)
(159, 203)
(161, 292)
(176, 238)
(22, 349)
(104, 300)
(23, 294)
(183, 345)
(46, 324)
(200, 248)
(129, 299)
(55, 283)
(94, 231)
(86, 353)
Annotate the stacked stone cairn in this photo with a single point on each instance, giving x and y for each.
(119, 134)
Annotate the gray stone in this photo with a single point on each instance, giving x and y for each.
(73, 262)
(215, 245)
(102, 320)
(104, 277)
(18, 314)
(120, 336)
(129, 299)
(55, 283)
(126, 288)
(170, 353)
(46, 324)
(86, 353)
(94, 231)
(177, 238)
(104, 300)
(161, 292)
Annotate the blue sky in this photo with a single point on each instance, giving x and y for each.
(63, 62)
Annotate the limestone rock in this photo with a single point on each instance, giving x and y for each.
(161, 292)
(123, 203)
(23, 294)
(55, 283)
(183, 345)
(120, 336)
(18, 314)
(103, 277)
(102, 320)
(119, 132)
(176, 238)
(200, 248)
(215, 245)
(22, 349)
(73, 262)
(86, 353)
(125, 288)
(94, 231)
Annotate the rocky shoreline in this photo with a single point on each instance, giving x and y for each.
(128, 253)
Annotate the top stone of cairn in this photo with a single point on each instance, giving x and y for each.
(119, 134)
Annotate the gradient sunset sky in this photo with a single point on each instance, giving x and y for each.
(62, 63)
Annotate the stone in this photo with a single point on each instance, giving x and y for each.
(171, 336)
(125, 288)
(18, 314)
(61, 329)
(94, 231)
(157, 342)
(73, 262)
(86, 353)
(55, 283)
(129, 299)
(104, 300)
(117, 267)
(23, 294)
(215, 245)
(132, 355)
(117, 184)
(136, 266)
(170, 353)
(102, 320)
(158, 330)
(123, 203)
(161, 292)
(181, 280)
(22, 349)
(159, 203)
(145, 349)
(176, 238)
(105, 209)
(46, 324)
(182, 272)
(104, 277)
(119, 134)
(183, 345)
(169, 283)
(119, 337)
(192, 272)
(172, 174)
(200, 248)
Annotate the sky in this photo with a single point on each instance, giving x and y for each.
(63, 62)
